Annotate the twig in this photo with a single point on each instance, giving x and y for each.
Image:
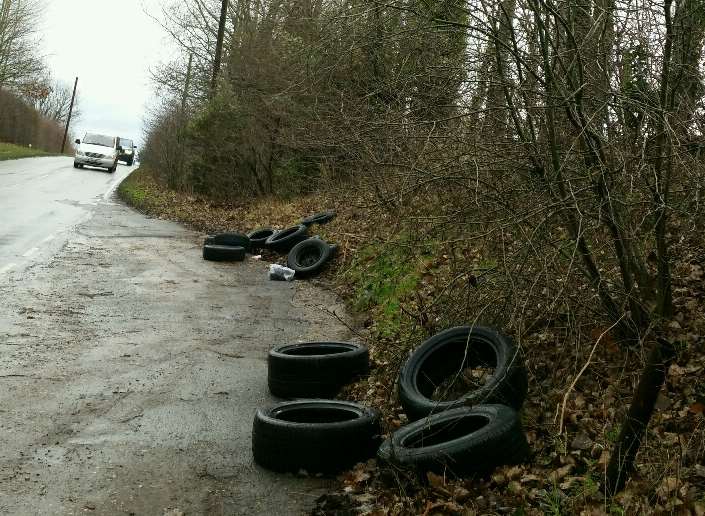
(223, 353)
(577, 377)
(345, 323)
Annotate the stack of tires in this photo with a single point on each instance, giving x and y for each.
(459, 431)
(313, 433)
(461, 427)
(305, 255)
(226, 247)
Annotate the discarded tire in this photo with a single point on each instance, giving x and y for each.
(318, 436)
(323, 217)
(284, 240)
(315, 369)
(433, 379)
(231, 239)
(223, 253)
(459, 441)
(309, 256)
(258, 237)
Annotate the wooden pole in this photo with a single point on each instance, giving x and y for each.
(68, 120)
(219, 44)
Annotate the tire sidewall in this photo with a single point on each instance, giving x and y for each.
(321, 218)
(303, 271)
(229, 239)
(496, 390)
(314, 376)
(316, 447)
(500, 441)
(222, 253)
(284, 244)
(259, 242)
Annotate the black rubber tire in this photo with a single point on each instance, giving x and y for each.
(129, 163)
(282, 241)
(318, 436)
(459, 441)
(231, 239)
(315, 369)
(308, 257)
(323, 217)
(445, 354)
(75, 165)
(259, 237)
(223, 253)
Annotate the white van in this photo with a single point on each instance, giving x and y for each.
(97, 150)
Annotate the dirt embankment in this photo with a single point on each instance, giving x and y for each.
(406, 282)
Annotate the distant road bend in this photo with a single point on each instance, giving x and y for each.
(40, 199)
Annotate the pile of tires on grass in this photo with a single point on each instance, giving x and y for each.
(461, 390)
(306, 255)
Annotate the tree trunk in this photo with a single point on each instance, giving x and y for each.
(652, 378)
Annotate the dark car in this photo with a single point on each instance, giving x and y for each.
(128, 151)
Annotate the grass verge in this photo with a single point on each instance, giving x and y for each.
(10, 151)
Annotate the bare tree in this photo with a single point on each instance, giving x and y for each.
(19, 61)
(52, 99)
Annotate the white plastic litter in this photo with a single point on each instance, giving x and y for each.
(257, 257)
(280, 273)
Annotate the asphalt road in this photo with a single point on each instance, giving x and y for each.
(40, 199)
(130, 369)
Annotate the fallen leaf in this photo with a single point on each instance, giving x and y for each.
(697, 408)
(529, 478)
(514, 487)
(668, 486)
(514, 472)
(581, 441)
(364, 498)
(461, 494)
(498, 478)
(604, 458)
(699, 509)
(438, 483)
(560, 473)
(662, 402)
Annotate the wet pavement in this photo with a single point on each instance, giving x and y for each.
(130, 368)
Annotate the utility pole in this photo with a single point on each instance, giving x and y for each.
(219, 44)
(68, 120)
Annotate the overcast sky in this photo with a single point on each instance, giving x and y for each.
(110, 46)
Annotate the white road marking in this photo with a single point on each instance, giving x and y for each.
(30, 252)
(110, 191)
(48, 239)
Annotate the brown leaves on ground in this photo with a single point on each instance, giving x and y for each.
(564, 475)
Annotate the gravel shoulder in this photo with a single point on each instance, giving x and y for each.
(130, 370)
